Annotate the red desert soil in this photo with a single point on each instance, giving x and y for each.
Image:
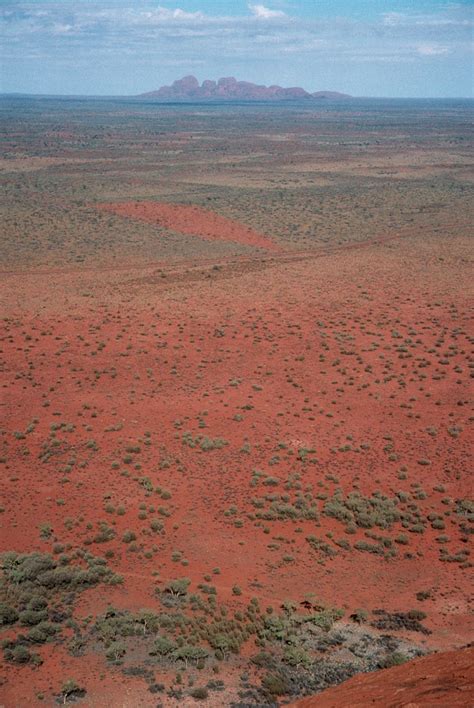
(284, 364)
(445, 679)
(192, 220)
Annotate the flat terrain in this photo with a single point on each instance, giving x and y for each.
(237, 397)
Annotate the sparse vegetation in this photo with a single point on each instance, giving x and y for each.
(236, 356)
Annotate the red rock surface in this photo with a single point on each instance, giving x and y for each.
(445, 680)
(228, 88)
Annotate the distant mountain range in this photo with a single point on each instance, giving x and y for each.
(229, 89)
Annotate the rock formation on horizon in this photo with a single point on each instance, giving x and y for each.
(228, 88)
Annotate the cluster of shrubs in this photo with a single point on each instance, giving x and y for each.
(206, 632)
(355, 509)
(37, 592)
(202, 442)
(289, 641)
(279, 508)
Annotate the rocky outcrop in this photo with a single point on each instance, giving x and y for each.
(438, 680)
(228, 88)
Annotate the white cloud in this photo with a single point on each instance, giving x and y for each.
(392, 19)
(450, 17)
(163, 13)
(264, 13)
(59, 28)
(135, 16)
(62, 28)
(432, 50)
(179, 14)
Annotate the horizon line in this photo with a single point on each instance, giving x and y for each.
(228, 100)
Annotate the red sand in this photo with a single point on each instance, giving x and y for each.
(193, 221)
(445, 680)
(307, 353)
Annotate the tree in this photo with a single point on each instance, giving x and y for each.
(71, 689)
(178, 587)
(163, 646)
(149, 620)
(189, 653)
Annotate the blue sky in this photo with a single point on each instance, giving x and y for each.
(362, 47)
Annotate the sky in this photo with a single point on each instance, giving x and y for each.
(398, 48)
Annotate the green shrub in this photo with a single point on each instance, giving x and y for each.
(115, 651)
(71, 690)
(416, 615)
(129, 536)
(275, 684)
(8, 615)
(32, 617)
(199, 693)
(394, 659)
(296, 656)
(178, 587)
(162, 646)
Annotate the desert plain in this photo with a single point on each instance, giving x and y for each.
(237, 361)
